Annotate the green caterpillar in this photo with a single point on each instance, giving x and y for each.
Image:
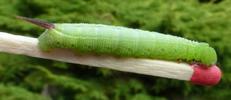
(122, 42)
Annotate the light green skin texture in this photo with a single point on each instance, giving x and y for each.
(125, 42)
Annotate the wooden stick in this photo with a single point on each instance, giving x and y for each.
(28, 46)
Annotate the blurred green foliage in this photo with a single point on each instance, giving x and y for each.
(24, 78)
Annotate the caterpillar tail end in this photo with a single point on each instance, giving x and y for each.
(37, 22)
(207, 76)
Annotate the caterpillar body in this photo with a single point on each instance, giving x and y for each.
(123, 42)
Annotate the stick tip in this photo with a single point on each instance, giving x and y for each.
(206, 75)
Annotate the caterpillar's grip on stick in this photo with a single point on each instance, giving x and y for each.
(196, 74)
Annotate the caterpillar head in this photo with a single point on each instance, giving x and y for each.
(207, 54)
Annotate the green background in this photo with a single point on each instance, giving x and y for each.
(27, 78)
